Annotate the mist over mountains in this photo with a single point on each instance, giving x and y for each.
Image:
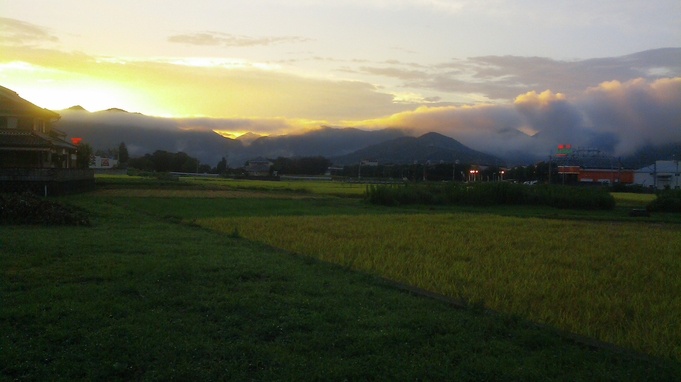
(145, 134)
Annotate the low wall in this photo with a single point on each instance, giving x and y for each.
(46, 181)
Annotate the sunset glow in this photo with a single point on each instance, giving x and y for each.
(273, 67)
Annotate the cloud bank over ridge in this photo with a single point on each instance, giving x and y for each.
(617, 117)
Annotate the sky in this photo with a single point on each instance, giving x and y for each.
(489, 73)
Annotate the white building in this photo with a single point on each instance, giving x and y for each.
(102, 162)
(662, 174)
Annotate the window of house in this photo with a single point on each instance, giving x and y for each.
(8, 122)
(25, 123)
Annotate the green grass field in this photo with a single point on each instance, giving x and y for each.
(148, 293)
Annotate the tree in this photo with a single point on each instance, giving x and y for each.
(222, 166)
(301, 166)
(83, 155)
(123, 155)
(163, 161)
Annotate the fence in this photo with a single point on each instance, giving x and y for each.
(46, 181)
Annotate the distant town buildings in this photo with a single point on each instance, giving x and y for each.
(663, 174)
(102, 163)
(258, 167)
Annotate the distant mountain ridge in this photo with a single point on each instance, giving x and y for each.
(326, 141)
(648, 154)
(145, 134)
(248, 138)
(433, 147)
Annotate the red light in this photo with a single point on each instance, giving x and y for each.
(75, 140)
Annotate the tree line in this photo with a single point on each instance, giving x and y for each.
(164, 161)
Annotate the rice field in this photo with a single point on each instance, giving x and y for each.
(321, 187)
(632, 199)
(180, 193)
(617, 282)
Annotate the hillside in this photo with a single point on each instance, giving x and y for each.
(432, 147)
(144, 134)
(326, 141)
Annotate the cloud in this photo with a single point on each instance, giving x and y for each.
(17, 32)
(401, 74)
(230, 40)
(504, 77)
(616, 117)
(173, 87)
(639, 112)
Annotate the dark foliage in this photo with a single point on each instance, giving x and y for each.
(632, 188)
(221, 167)
(301, 166)
(667, 201)
(27, 208)
(492, 193)
(164, 161)
(123, 155)
(83, 155)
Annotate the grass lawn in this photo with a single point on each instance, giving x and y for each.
(141, 295)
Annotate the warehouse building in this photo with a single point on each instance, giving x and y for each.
(662, 174)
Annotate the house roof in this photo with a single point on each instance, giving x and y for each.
(258, 168)
(30, 139)
(260, 160)
(661, 166)
(13, 105)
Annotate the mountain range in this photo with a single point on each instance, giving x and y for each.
(431, 147)
(145, 134)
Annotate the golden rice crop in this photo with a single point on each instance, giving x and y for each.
(633, 199)
(618, 282)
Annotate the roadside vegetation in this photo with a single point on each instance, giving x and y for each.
(27, 208)
(666, 201)
(492, 193)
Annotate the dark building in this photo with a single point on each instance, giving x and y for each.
(33, 155)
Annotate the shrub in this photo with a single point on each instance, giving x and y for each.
(27, 208)
(667, 201)
(492, 193)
